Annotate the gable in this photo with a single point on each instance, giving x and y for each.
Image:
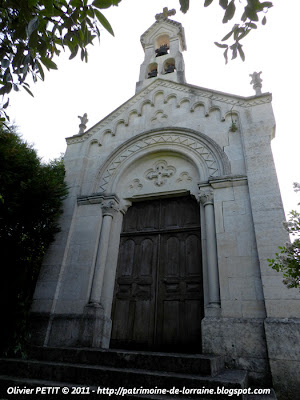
(165, 104)
(171, 28)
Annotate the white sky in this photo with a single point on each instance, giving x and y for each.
(109, 78)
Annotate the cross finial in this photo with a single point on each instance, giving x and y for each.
(165, 14)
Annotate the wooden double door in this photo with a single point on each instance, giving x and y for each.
(158, 298)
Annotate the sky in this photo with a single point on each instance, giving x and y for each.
(108, 79)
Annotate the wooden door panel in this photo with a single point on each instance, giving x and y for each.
(142, 217)
(193, 311)
(126, 257)
(180, 291)
(121, 322)
(158, 293)
(148, 257)
(179, 212)
(142, 330)
(170, 325)
(170, 260)
(134, 305)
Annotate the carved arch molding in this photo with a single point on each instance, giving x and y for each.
(201, 148)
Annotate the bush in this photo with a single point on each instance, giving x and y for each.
(31, 194)
(287, 260)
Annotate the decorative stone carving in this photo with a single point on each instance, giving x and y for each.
(109, 207)
(83, 122)
(206, 196)
(256, 82)
(184, 177)
(145, 96)
(165, 14)
(160, 172)
(159, 117)
(135, 185)
(199, 144)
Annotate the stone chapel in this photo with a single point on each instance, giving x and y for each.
(173, 209)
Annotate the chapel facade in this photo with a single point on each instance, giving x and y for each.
(173, 209)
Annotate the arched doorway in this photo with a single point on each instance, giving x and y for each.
(158, 297)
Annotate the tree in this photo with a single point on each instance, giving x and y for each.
(288, 259)
(33, 31)
(31, 202)
(250, 16)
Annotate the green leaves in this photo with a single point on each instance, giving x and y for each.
(34, 31)
(229, 13)
(103, 21)
(105, 3)
(240, 31)
(287, 260)
(222, 46)
(184, 5)
(240, 50)
(223, 3)
(49, 64)
(32, 26)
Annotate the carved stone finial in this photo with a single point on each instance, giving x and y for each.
(165, 14)
(256, 82)
(83, 122)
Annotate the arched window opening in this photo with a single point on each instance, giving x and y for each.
(162, 45)
(169, 66)
(152, 70)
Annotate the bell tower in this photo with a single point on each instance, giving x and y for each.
(163, 44)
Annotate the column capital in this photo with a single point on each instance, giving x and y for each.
(206, 196)
(109, 207)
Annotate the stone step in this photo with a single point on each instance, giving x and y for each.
(153, 361)
(112, 377)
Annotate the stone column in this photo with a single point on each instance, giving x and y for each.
(108, 210)
(206, 198)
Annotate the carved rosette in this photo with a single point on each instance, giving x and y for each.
(160, 172)
(206, 196)
(109, 207)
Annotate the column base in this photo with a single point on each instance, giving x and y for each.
(95, 327)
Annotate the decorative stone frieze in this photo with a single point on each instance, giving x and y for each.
(171, 90)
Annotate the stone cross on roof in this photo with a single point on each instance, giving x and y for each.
(165, 14)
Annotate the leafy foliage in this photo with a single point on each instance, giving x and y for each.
(249, 18)
(33, 31)
(31, 200)
(288, 259)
